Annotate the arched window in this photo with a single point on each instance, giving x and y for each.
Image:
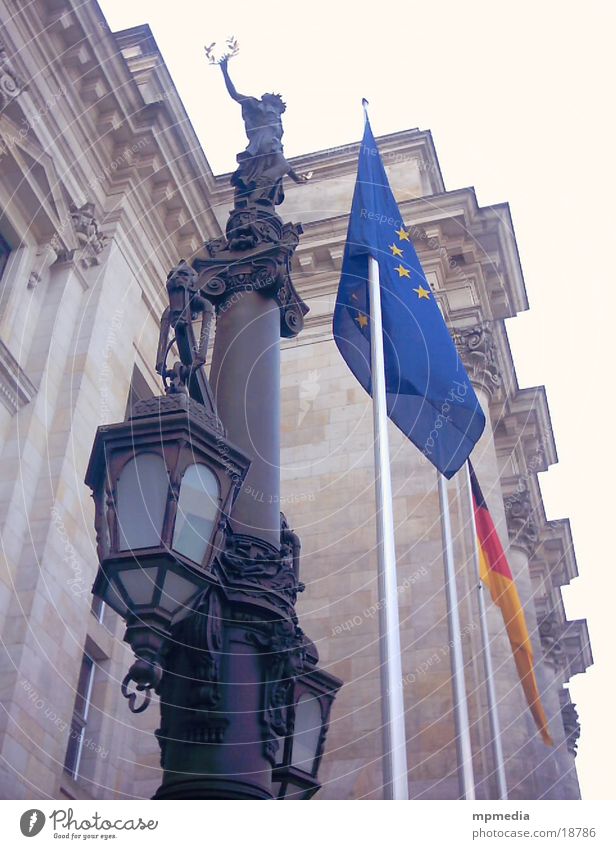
(141, 501)
(198, 505)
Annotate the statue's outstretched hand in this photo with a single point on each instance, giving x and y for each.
(300, 178)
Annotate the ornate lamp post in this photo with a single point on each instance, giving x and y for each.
(194, 553)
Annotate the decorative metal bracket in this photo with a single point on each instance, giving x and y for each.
(132, 697)
(186, 305)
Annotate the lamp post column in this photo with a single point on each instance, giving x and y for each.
(247, 277)
(245, 378)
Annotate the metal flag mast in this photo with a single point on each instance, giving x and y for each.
(499, 760)
(395, 779)
(460, 706)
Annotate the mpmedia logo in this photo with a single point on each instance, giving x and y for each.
(32, 822)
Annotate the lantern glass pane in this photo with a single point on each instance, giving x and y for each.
(308, 721)
(140, 584)
(114, 599)
(177, 592)
(198, 508)
(142, 498)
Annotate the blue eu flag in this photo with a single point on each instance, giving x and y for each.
(429, 394)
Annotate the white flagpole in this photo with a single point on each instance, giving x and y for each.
(395, 778)
(499, 760)
(460, 706)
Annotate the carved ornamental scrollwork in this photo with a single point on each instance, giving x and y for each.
(255, 256)
(571, 721)
(252, 567)
(283, 646)
(478, 352)
(91, 240)
(199, 638)
(521, 523)
(550, 632)
(11, 84)
(203, 632)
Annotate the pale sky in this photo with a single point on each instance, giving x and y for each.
(519, 99)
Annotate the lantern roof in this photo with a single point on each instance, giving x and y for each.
(162, 419)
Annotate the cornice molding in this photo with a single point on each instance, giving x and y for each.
(554, 558)
(466, 245)
(340, 163)
(135, 146)
(485, 233)
(575, 641)
(565, 643)
(524, 430)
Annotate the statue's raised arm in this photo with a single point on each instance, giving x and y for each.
(224, 62)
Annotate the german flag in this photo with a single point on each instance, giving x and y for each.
(495, 573)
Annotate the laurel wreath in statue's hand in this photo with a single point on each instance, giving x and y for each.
(232, 48)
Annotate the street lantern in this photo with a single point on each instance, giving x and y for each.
(163, 484)
(313, 693)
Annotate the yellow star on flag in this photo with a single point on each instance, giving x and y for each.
(362, 320)
(422, 293)
(402, 271)
(402, 235)
(396, 251)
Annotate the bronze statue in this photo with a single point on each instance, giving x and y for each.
(262, 165)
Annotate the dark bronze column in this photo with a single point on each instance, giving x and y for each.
(247, 276)
(245, 378)
(229, 672)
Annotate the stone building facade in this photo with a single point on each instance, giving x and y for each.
(103, 187)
